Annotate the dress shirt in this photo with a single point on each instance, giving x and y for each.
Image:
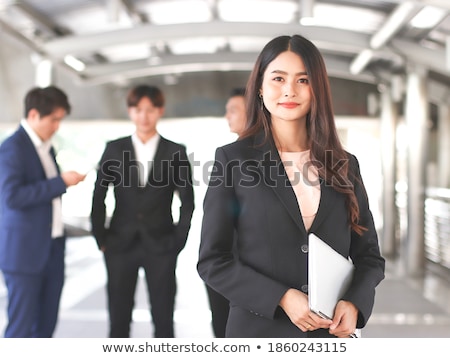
(305, 182)
(48, 163)
(145, 153)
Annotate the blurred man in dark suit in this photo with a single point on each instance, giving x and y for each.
(145, 170)
(237, 119)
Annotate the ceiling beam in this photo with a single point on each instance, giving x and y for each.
(394, 22)
(445, 4)
(149, 33)
(8, 29)
(172, 64)
(34, 47)
(115, 8)
(432, 59)
(40, 20)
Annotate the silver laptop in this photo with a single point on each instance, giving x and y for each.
(329, 276)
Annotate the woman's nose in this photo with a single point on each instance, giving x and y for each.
(289, 90)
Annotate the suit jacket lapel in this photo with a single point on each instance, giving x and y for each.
(327, 196)
(32, 150)
(274, 175)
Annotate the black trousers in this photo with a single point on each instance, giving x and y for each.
(122, 269)
(219, 311)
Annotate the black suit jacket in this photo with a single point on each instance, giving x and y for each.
(147, 210)
(249, 192)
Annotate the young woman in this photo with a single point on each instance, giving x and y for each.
(287, 176)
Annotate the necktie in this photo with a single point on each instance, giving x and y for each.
(51, 171)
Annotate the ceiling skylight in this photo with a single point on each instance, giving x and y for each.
(248, 44)
(428, 17)
(257, 11)
(197, 45)
(365, 20)
(178, 12)
(127, 52)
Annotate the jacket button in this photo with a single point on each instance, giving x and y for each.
(304, 288)
(304, 248)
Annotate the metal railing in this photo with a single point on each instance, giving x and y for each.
(437, 226)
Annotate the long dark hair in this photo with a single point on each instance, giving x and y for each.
(325, 147)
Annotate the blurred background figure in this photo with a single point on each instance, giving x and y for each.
(32, 235)
(220, 308)
(235, 111)
(236, 116)
(146, 171)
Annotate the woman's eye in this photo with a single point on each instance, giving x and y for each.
(303, 80)
(278, 79)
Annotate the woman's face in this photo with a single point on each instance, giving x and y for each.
(285, 88)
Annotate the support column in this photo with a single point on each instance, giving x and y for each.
(43, 71)
(389, 115)
(443, 152)
(416, 115)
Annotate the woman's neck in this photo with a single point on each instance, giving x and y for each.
(290, 136)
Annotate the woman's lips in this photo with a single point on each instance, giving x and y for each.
(289, 104)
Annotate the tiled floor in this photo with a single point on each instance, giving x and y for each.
(406, 308)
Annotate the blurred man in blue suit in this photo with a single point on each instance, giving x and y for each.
(32, 238)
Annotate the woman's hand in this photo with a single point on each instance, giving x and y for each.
(344, 320)
(295, 304)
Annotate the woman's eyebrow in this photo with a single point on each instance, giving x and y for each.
(285, 73)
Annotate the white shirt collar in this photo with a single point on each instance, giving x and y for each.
(38, 143)
(152, 142)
